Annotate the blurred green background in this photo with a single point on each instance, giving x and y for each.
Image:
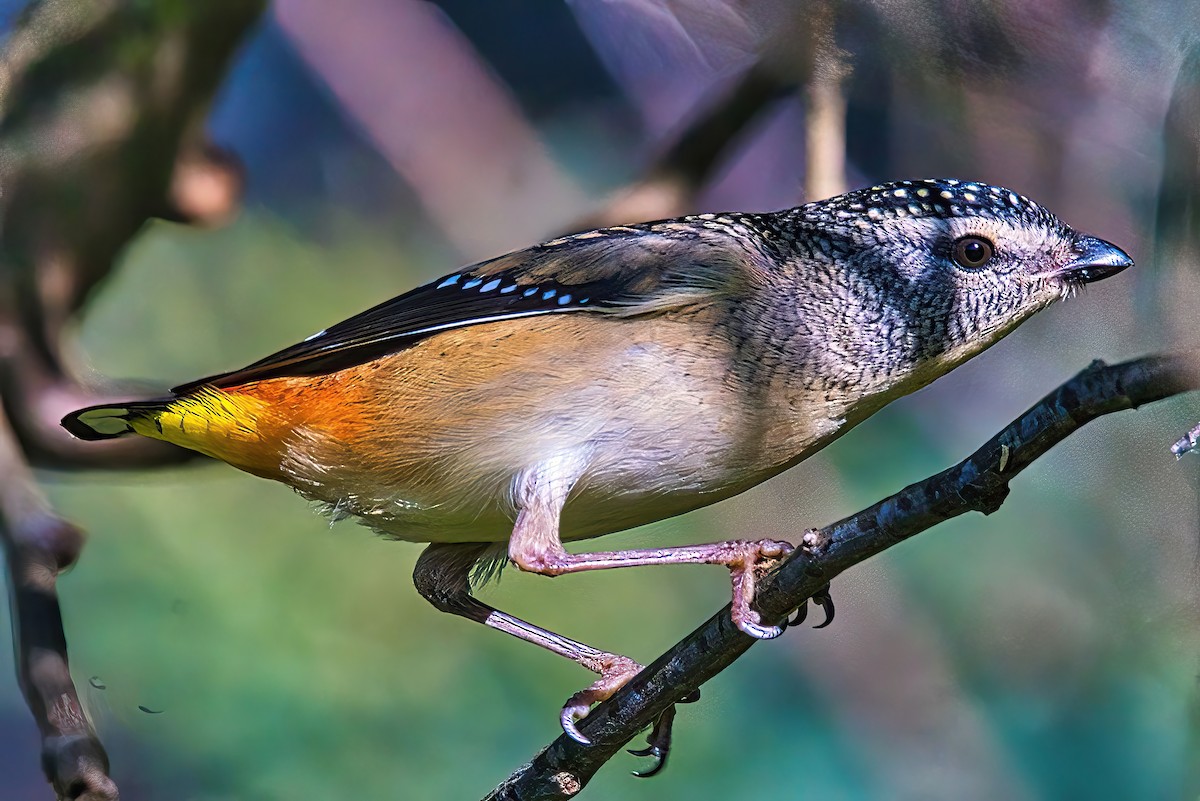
(1047, 651)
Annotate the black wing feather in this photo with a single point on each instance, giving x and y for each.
(622, 266)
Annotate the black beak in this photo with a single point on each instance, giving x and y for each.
(1095, 259)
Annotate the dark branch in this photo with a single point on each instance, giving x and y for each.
(978, 483)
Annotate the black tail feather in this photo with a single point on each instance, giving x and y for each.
(110, 420)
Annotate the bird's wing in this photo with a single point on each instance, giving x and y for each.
(626, 270)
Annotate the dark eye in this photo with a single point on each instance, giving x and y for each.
(973, 252)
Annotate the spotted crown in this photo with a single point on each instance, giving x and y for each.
(935, 197)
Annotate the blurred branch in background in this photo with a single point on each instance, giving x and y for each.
(38, 545)
(671, 183)
(103, 111)
(478, 166)
(978, 483)
(801, 51)
(825, 122)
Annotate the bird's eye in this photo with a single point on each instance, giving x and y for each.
(973, 252)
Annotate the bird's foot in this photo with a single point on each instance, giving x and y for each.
(746, 563)
(658, 742)
(821, 598)
(615, 671)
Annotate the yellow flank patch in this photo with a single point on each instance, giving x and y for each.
(223, 425)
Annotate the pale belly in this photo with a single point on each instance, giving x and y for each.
(656, 431)
(665, 459)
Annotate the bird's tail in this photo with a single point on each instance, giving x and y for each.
(223, 424)
(114, 420)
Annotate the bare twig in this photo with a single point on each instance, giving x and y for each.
(978, 483)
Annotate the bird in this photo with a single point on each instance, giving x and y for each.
(615, 377)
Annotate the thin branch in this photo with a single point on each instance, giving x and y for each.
(978, 483)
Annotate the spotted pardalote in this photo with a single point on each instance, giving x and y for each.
(620, 376)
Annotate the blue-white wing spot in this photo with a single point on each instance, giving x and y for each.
(549, 293)
(474, 282)
(563, 300)
(507, 289)
(529, 292)
(490, 285)
(451, 281)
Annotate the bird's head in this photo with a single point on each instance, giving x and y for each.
(949, 267)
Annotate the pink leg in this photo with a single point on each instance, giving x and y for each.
(540, 494)
(442, 574)
(744, 558)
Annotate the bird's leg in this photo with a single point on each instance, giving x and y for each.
(442, 576)
(744, 558)
(535, 546)
(541, 492)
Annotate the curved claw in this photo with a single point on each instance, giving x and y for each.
(570, 715)
(658, 743)
(659, 756)
(824, 600)
(759, 631)
(690, 698)
(614, 671)
(821, 598)
(801, 616)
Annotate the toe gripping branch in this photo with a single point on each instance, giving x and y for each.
(821, 598)
(658, 742)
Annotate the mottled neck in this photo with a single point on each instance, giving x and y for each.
(830, 340)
